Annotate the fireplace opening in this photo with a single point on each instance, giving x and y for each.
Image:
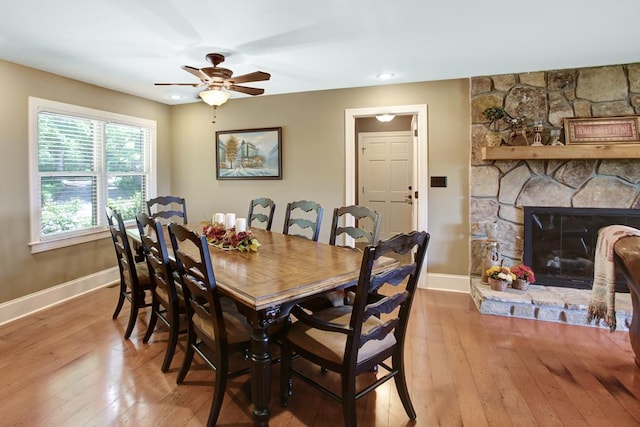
(559, 243)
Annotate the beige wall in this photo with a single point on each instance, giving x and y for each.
(313, 156)
(22, 273)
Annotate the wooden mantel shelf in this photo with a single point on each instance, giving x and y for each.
(575, 151)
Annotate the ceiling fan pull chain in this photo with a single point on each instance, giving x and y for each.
(214, 114)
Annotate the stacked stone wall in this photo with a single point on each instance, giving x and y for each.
(499, 190)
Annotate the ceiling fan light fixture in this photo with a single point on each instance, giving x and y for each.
(215, 97)
(385, 117)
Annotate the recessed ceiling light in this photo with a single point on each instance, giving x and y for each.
(385, 76)
(175, 96)
(385, 117)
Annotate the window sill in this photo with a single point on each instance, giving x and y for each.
(47, 245)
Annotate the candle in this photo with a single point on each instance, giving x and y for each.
(241, 225)
(218, 218)
(230, 220)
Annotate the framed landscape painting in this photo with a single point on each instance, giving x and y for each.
(249, 154)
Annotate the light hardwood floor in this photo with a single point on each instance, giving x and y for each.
(69, 366)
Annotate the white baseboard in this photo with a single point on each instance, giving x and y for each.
(19, 307)
(445, 282)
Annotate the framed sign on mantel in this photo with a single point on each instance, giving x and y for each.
(602, 130)
(249, 154)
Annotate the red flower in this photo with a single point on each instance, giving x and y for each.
(523, 272)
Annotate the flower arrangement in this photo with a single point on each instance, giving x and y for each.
(228, 239)
(501, 273)
(524, 272)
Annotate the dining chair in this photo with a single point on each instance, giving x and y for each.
(167, 299)
(134, 276)
(168, 208)
(261, 210)
(303, 217)
(351, 340)
(366, 226)
(366, 230)
(215, 327)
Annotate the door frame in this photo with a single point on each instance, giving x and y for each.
(420, 156)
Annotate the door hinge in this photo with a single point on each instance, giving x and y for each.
(415, 195)
(415, 132)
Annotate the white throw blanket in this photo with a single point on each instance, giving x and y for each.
(603, 296)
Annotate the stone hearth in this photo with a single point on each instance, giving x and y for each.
(548, 303)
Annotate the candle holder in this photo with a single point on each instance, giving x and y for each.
(537, 134)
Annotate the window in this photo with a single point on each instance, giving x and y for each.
(80, 161)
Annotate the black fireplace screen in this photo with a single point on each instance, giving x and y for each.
(559, 243)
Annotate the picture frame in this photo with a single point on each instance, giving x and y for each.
(602, 130)
(249, 154)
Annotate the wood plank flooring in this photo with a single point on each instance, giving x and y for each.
(69, 366)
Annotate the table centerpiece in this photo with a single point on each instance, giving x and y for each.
(227, 238)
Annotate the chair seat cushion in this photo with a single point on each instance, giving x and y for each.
(331, 345)
(164, 295)
(143, 275)
(238, 329)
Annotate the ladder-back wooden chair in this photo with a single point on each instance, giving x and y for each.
(168, 302)
(366, 230)
(351, 340)
(168, 208)
(303, 217)
(261, 210)
(134, 277)
(215, 328)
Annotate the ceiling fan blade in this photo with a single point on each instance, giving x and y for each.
(245, 89)
(196, 72)
(179, 84)
(256, 76)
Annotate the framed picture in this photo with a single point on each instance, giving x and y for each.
(249, 154)
(602, 130)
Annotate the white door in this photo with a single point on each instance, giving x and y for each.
(385, 176)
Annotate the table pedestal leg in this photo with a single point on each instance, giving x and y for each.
(260, 375)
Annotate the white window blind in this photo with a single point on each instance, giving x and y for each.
(81, 161)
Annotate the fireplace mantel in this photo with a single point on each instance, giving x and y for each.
(560, 152)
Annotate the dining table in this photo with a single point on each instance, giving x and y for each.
(266, 284)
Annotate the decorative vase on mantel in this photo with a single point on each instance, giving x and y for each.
(493, 138)
(497, 284)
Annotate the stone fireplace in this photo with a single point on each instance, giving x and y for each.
(499, 190)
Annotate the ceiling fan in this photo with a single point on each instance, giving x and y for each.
(217, 80)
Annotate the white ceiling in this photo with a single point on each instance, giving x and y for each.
(127, 45)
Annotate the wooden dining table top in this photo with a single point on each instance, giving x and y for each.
(285, 269)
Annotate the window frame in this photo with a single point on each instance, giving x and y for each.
(41, 243)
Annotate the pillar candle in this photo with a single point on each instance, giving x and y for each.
(218, 218)
(241, 225)
(230, 221)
